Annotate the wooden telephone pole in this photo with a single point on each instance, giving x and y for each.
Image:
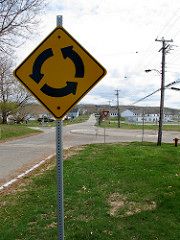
(117, 94)
(161, 111)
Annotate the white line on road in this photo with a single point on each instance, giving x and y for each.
(7, 184)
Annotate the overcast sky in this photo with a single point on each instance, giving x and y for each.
(121, 35)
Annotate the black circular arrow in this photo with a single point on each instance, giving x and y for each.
(36, 72)
(60, 92)
(71, 87)
(68, 52)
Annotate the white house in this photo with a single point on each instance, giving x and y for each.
(74, 113)
(130, 116)
(148, 116)
(113, 113)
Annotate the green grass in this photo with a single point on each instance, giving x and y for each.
(112, 192)
(147, 126)
(8, 131)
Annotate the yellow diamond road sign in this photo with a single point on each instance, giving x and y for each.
(59, 72)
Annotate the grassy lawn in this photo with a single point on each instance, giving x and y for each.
(112, 192)
(113, 124)
(13, 131)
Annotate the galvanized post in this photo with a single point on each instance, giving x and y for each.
(104, 134)
(59, 159)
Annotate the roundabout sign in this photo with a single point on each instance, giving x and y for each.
(59, 72)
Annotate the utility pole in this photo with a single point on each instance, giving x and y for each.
(161, 111)
(109, 110)
(109, 101)
(143, 119)
(117, 94)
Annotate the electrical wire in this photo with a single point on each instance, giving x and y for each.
(166, 86)
(166, 26)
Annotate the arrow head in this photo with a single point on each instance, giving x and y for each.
(67, 51)
(72, 86)
(36, 77)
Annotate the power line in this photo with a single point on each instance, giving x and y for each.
(171, 22)
(166, 86)
(167, 26)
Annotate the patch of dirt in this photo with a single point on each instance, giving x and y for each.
(72, 151)
(119, 202)
(134, 208)
(84, 218)
(45, 167)
(116, 201)
(52, 225)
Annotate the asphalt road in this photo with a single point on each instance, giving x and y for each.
(19, 155)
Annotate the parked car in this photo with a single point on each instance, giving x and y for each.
(45, 119)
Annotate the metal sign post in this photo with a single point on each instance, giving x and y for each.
(59, 48)
(60, 195)
(59, 160)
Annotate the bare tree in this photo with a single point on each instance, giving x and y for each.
(17, 19)
(21, 99)
(5, 88)
(13, 96)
